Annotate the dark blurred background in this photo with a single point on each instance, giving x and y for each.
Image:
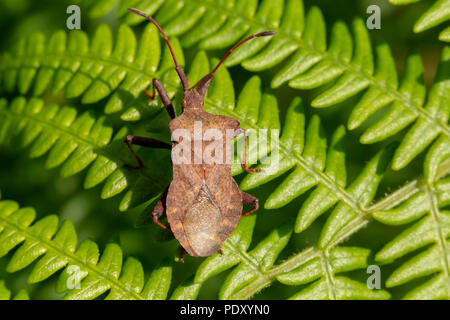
(27, 181)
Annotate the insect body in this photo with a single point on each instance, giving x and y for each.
(203, 203)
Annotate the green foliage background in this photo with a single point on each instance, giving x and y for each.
(417, 187)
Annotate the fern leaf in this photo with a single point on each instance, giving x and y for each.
(437, 14)
(423, 132)
(187, 290)
(86, 273)
(93, 71)
(343, 289)
(254, 270)
(445, 35)
(438, 154)
(430, 230)
(96, 9)
(75, 142)
(5, 293)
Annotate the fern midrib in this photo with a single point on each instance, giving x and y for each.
(358, 222)
(251, 262)
(78, 57)
(434, 211)
(396, 95)
(97, 148)
(294, 262)
(329, 279)
(387, 203)
(244, 256)
(71, 257)
(268, 276)
(417, 109)
(397, 197)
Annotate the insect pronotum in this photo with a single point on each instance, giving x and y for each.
(203, 203)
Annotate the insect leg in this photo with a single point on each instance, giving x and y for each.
(145, 142)
(244, 154)
(251, 200)
(181, 254)
(159, 210)
(163, 95)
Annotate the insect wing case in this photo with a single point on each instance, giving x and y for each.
(204, 203)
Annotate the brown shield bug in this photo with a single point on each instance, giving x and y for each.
(203, 203)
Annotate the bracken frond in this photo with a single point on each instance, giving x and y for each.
(78, 142)
(92, 68)
(438, 13)
(254, 270)
(430, 231)
(86, 274)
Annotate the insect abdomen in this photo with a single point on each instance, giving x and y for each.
(202, 225)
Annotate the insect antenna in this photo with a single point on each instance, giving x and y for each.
(202, 84)
(261, 34)
(180, 72)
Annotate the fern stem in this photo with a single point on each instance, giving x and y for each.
(267, 277)
(244, 256)
(408, 190)
(252, 288)
(295, 261)
(328, 274)
(397, 197)
(387, 203)
(351, 228)
(434, 211)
